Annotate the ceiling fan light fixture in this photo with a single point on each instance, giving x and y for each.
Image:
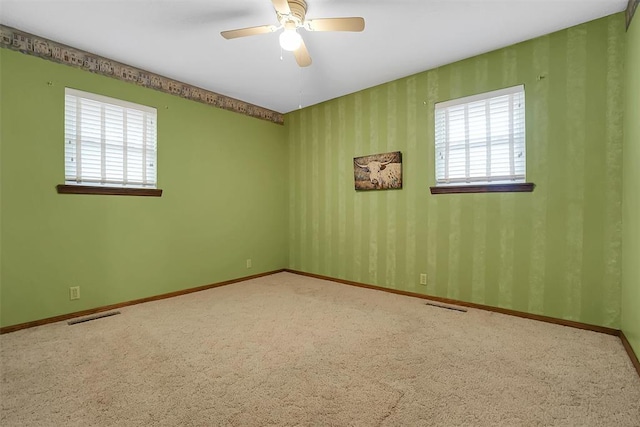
(291, 15)
(290, 40)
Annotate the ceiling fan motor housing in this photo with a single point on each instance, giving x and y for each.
(298, 11)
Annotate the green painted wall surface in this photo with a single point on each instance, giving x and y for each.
(224, 181)
(631, 198)
(554, 252)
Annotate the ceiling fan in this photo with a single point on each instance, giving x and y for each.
(291, 15)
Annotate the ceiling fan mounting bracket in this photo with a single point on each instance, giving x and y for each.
(298, 10)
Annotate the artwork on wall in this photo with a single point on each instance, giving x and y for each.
(631, 10)
(378, 171)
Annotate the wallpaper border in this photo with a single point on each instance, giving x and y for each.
(41, 47)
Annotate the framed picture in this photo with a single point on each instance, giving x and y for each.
(378, 171)
(631, 10)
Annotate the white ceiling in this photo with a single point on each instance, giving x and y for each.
(181, 39)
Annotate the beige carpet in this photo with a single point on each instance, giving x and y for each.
(290, 350)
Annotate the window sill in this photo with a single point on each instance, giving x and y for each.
(525, 187)
(108, 191)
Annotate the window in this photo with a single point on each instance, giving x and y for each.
(109, 143)
(480, 140)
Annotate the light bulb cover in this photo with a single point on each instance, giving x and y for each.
(290, 40)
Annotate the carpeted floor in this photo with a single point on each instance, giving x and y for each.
(291, 350)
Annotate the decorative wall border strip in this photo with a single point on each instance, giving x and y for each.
(30, 44)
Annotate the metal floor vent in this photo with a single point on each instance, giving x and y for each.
(94, 317)
(448, 307)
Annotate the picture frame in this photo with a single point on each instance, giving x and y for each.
(378, 171)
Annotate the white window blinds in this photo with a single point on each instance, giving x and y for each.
(109, 142)
(481, 138)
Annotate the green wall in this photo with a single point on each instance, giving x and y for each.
(224, 181)
(555, 251)
(630, 196)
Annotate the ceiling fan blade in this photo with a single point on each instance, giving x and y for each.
(302, 55)
(335, 24)
(251, 31)
(281, 6)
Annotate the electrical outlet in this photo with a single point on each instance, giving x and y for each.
(74, 292)
(423, 278)
(249, 263)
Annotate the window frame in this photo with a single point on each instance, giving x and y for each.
(120, 188)
(504, 185)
